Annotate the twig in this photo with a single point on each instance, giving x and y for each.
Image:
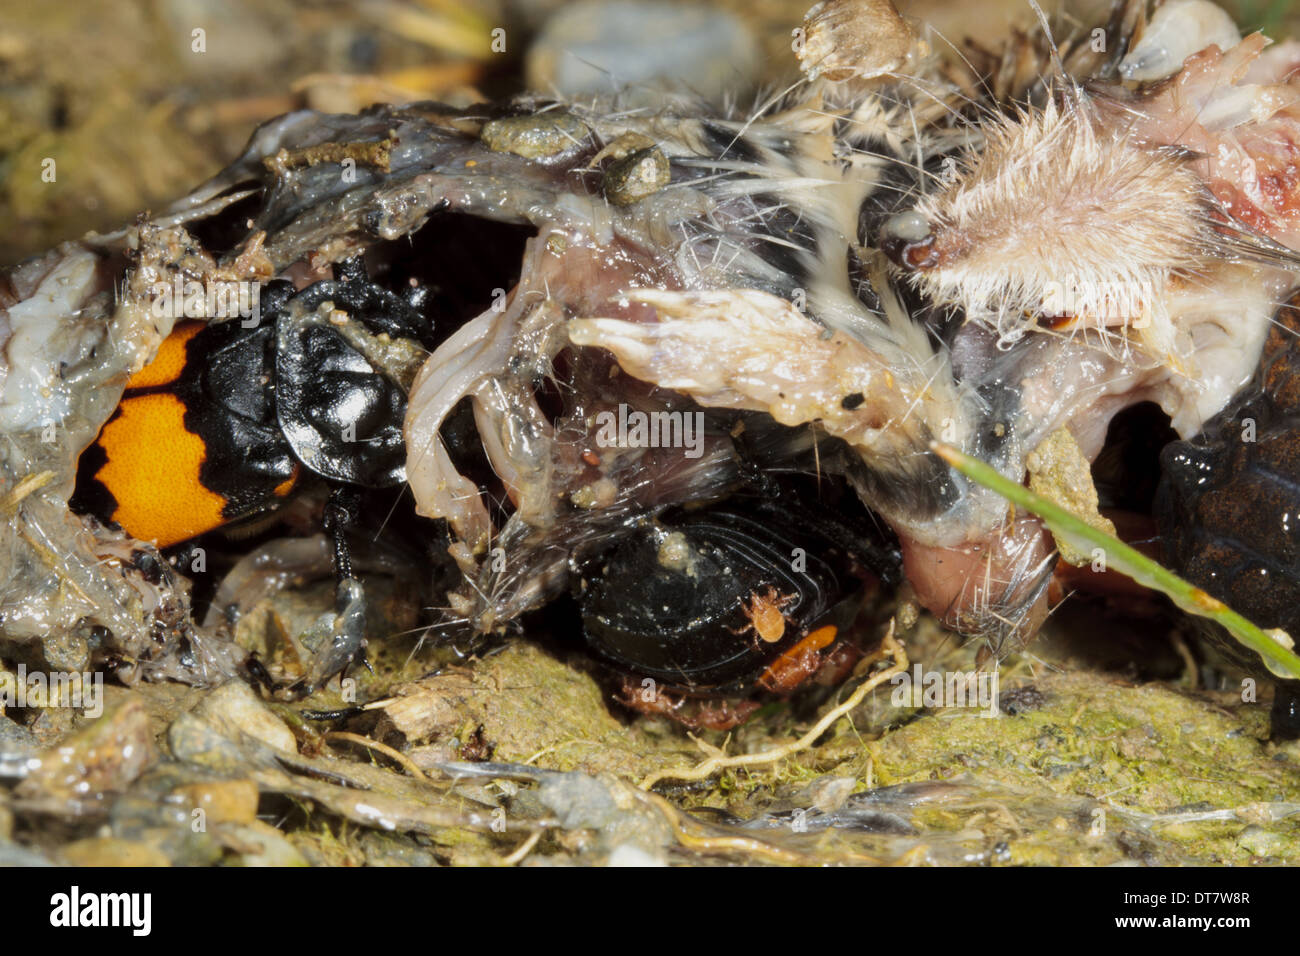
(524, 849)
(404, 761)
(719, 844)
(700, 771)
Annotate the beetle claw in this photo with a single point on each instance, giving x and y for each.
(337, 640)
(347, 633)
(359, 658)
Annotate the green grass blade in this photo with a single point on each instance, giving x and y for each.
(1128, 561)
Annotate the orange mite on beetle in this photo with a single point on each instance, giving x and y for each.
(765, 614)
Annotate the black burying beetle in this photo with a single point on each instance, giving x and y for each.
(230, 420)
(1225, 508)
(222, 426)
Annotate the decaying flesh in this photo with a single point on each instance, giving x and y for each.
(864, 266)
(74, 326)
(1152, 224)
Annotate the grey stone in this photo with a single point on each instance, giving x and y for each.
(594, 47)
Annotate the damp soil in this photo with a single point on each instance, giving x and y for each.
(520, 756)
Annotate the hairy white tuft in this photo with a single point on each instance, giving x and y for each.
(1058, 216)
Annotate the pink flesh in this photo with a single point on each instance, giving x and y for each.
(956, 582)
(1241, 111)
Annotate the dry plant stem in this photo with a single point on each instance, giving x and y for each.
(396, 755)
(517, 857)
(720, 844)
(744, 845)
(24, 488)
(889, 646)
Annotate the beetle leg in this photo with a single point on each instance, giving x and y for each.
(341, 514)
(360, 657)
(340, 637)
(258, 673)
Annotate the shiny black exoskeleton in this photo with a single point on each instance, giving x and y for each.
(267, 402)
(672, 600)
(341, 418)
(1228, 507)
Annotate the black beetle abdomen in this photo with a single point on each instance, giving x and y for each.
(1228, 503)
(668, 601)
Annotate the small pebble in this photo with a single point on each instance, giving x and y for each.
(225, 801)
(103, 757)
(537, 136)
(596, 47)
(234, 705)
(633, 178)
(110, 851)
